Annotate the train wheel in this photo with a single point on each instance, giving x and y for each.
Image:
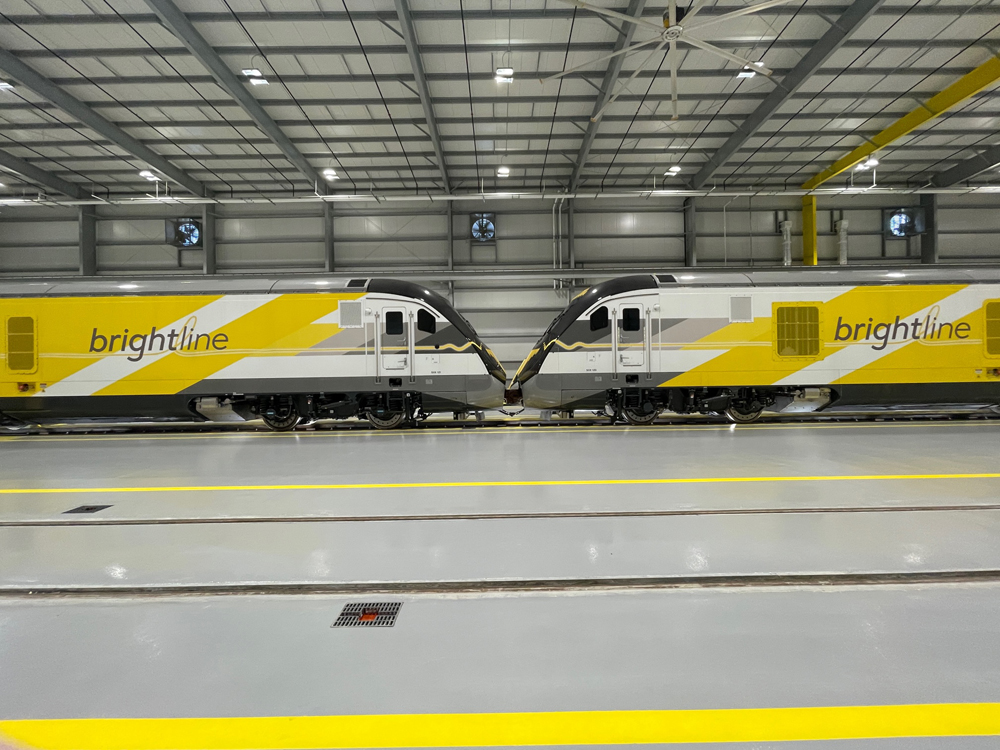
(639, 417)
(742, 416)
(389, 422)
(283, 419)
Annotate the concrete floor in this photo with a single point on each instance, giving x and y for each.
(495, 540)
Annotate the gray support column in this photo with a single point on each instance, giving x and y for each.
(929, 240)
(88, 240)
(571, 234)
(451, 242)
(208, 238)
(690, 234)
(329, 261)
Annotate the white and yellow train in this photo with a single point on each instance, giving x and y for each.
(740, 343)
(284, 350)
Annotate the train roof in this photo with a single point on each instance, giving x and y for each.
(822, 276)
(112, 286)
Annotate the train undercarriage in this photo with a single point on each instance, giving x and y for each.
(385, 410)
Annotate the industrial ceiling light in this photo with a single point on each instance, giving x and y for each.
(252, 73)
(5, 86)
(505, 75)
(259, 82)
(672, 172)
(149, 175)
(503, 171)
(866, 165)
(748, 72)
(331, 174)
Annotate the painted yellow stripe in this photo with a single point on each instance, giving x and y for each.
(512, 483)
(512, 729)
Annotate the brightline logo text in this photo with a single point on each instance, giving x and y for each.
(188, 340)
(919, 329)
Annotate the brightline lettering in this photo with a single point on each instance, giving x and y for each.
(925, 329)
(188, 340)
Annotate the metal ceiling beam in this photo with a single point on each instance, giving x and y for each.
(420, 80)
(787, 86)
(548, 14)
(967, 169)
(968, 85)
(40, 176)
(32, 79)
(828, 96)
(476, 49)
(174, 19)
(635, 8)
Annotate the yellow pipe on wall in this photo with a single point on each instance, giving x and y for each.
(810, 255)
(972, 83)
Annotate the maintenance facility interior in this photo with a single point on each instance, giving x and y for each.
(519, 575)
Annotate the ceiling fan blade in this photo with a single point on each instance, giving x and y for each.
(614, 14)
(735, 14)
(628, 81)
(673, 78)
(728, 55)
(698, 5)
(672, 12)
(626, 51)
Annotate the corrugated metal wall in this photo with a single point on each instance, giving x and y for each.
(43, 241)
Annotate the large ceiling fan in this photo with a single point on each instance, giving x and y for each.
(678, 26)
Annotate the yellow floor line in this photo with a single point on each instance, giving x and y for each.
(500, 483)
(512, 729)
(491, 431)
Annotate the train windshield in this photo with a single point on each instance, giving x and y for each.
(439, 303)
(577, 306)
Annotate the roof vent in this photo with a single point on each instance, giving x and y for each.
(357, 283)
(666, 278)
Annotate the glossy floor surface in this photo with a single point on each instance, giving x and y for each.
(558, 569)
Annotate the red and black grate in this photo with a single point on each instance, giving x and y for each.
(368, 615)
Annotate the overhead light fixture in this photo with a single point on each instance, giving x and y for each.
(252, 73)
(2, 185)
(865, 165)
(505, 75)
(331, 174)
(5, 86)
(149, 175)
(503, 171)
(747, 72)
(671, 171)
(259, 82)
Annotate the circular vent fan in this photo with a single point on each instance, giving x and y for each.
(483, 230)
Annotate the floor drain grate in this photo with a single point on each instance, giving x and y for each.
(86, 509)
(368, 615)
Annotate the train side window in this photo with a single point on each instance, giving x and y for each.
(21, 344)
(796, 330)
(630, 319)
(394, 323)
(426, 322)
(599, 319)
(993, 328)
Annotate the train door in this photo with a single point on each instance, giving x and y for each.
(427, 352)
(631, 339)
(394, 342)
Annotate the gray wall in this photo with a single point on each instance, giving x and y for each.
(289, 238)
